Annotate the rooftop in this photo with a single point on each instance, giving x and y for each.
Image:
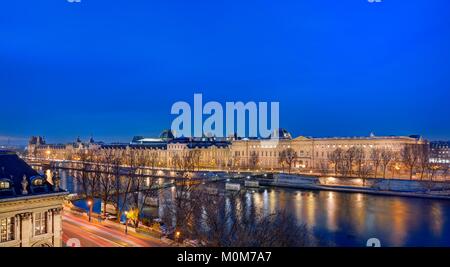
(12, 172)
(371, 137)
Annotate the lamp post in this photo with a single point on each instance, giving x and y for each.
(126, 222)
(90, 209)
(177, 236)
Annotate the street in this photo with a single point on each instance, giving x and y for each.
(102, 235)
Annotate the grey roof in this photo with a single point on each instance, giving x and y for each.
(154, 145)
(13, 169)
(167, 135)
(440, 144)
(199, 143)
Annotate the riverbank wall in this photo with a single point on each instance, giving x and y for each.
(393, 187)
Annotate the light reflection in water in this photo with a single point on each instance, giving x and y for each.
(361, 220)
(272, 201)
(437, 213)
(398, 215)
(266, 202)
(298, 206)
(331, 211)
(310, 209)
(346, 219)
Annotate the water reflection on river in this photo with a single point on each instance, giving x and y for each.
(346, 219)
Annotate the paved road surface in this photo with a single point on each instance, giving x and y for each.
(101, 235)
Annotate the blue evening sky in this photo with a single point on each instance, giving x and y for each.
(114, 68)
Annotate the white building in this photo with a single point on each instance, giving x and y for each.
(30, 206)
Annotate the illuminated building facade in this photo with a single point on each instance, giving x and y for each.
(440, 152)
(232, 153)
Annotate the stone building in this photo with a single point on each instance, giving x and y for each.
(30, 206)
(440, 152)
(233, 152)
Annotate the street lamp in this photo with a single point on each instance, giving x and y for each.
(126, 222)
(177, 235)
(90, 209)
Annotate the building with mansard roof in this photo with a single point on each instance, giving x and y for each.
(30, 205)
(440, 152)
(235, 152)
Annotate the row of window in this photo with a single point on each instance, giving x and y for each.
(266, 153)
(36, 181)
(8, 229)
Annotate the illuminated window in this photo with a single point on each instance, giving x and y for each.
(38, 182)
(7, 229)
(5, 184)
(40, 223)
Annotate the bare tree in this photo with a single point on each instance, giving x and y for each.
(386, 157)
(219, 226)
(423, 159)
(349, 158)
(336, 157)
(235, 161)
(432, 170)
(323, 168)
(88, 178)
(288, 157)
(375, 157)
(178, 162)
(445, 168)
(364, 172)
(180, 208)
(360, 158)
(100, 167)
(87, 182)
(153, 159)
(142, 187)
(196, 156)
(410, 155)
(121, 185)
(185, 161)
(106, 177)
(254, 160)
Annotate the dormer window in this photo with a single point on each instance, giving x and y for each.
(38, 184)
(38, 181)
(5, 184)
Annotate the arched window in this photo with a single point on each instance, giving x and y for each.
(37, 181)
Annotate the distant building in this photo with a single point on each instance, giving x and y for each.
(165, 137)
(235, 152)
(30, 206)
(311, 152)
(440, 152)
(37, 147)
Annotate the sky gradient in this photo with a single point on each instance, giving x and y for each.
(114, 68)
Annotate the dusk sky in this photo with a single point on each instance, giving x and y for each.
(114, 68)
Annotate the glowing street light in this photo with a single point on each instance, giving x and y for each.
(177, 235)
(90, 209)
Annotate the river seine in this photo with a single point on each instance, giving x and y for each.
(350, 219)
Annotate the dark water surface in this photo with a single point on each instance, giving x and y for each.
(350, 219)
